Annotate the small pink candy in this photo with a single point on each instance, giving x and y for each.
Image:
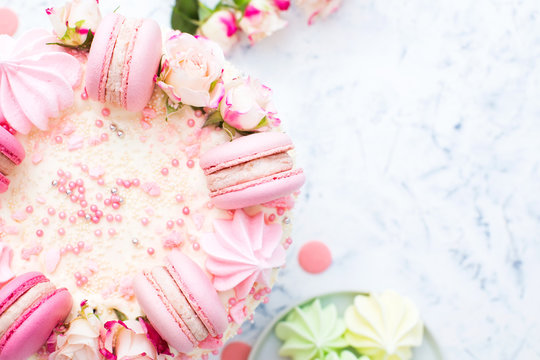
(81, 190)
(191, 122)
(190, 163)
(150, 251)
(62, 215)
(107, 202)
(185, 210)
(84, 279)
(99, 196)
(99, 123)
(118, 218)
(45, 221)
(93, 207)
(76, 251)
(198, 113)
(95, 219)
(111, 232)
(58, 139)
(272, 217)
(115, 205)
(39, 233)
(99, 213)
(79, 283)
(80, 213)
(79, 182)
(68, 175)
(180, 222)
(72, 219)
(196, 246)
(127, 184)
(109, 218)
(144, 221)
(84, 203)
(29, 209)
(72, 185)
(101, 182)
(98, 233)
(164, 171)
(179, 198)
(84, 168)
(136, 182)
(104, 137)
(106, 112)
(175, 162)
(170, 224)
(61, 232)
(62, 189)
(69, 248)
(60, 173)
(80, 244)
(84, 95)
(77, 275)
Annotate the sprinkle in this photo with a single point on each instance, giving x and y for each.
(105, 112)
(104, 137)
(175, 162)
(114, 190)
(165, 171)
(196, 246)
(191, 122)
(111, 232)
(113, 127)
(84, 95)
(98, 233)
(135, 182)
(179, 198)
(185, 210)
(29, 209)
(88, 217)
(62, 215)
(120, 133)
(180, 222)
(170, 224)
(135, 241)
(54, 183)
(39, 233)
(150, 251)
(58, 139)
(45, 221)
(144, 221)
(99, 123)
(190, 163)
(72, 219)
(61, 232)
(286, 220)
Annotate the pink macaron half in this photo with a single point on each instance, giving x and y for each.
(11, 154)
(30, 308)
(123, 60)
(181, 303)
(251, 170)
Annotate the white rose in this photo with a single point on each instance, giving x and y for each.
(318, 8)
(127, 341)
(191, 73)
(260, 20)
(80, 342)
(221, 28)
(247, 102)
(75, 20)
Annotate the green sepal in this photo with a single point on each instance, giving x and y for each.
(214, 119)
(84, 46)
(120, 315)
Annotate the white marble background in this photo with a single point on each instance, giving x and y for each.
(418, 124)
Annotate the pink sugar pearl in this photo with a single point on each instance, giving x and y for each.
(150, 251)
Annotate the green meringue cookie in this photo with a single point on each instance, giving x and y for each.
(311, 332)
(384, 326)
(345, 355)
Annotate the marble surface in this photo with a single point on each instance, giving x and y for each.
(418, 125)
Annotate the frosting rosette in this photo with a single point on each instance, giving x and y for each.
(384, 326)
(75, 23)
(221, 28)
(80, 341)
(191, 72)
(36, 80)
(243, 251)
(318, 8)
(311, 332)
(247, 104)
(261, 19)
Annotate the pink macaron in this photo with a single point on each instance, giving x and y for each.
(11, 154)
(30, 308)
(123, 60)
(180, 302)
(251, 170)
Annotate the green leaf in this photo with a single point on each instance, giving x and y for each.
(204, 12)
(171, 109)
(185, 16)
(120, 315)
(242, 4)
(84, 46)
(262, 123)
(214, 119)
(229, 130)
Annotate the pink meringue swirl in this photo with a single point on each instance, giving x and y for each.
(243, 251)
(36, 80)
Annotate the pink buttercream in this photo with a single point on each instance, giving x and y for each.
(243, 251)
(36, 80)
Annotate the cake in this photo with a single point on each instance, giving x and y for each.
(111, 201)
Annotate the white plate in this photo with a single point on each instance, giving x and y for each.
(267, 345)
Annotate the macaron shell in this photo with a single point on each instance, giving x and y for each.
(259, 192)
(10, 292)
(98, 54)
(159, 316)
(11, 147)
(245, 148)
(199, 291)
(145, 61)
(34, 331)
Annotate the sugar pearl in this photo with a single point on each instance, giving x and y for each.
(190, 163)
(29, 209)
(185, 210)
(150, 251)
(39, 233)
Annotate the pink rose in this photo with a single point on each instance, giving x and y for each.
(126, 341)
(72, 22)
(261, 19)
(191, 73)
(221, 28)
(318, 8)
(80, 342)
(282, 5)
(246, 105)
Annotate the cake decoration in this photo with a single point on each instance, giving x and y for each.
(251, 170)
(243, 251)
(11, 154)
(88, 214)
(75, 23)
(228, 21)
(314, 257)
(383, 326)
(311, 332)
(123, 60)
(191, 71)
(30, 308)
(181, 303)
(36, 80)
